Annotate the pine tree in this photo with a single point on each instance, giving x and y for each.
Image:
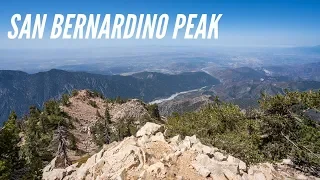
(101, 131)
(60, 136)
(31, 148)
(107, 121)
(10, 162)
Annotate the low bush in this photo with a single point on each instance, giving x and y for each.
(279, 129)
(93, 103)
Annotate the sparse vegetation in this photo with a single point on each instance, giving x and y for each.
(74, 93)
(153, 111)
(73, 142)
(94, 94)
(65, 100)
(93, 104)
(117, 100)
(101, 131)
(105, 131)
(124, 128)
(82, 160)
(279, 129)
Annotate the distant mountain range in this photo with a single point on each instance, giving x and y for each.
(310, 71)
(243, 86)
(19, 90)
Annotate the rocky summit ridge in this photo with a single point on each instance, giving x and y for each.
(149, 155)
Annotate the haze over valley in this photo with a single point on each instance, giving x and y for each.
(166, 59)
(177, 79)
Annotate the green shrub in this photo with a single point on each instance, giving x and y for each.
(289, 132)
(82, 160)
(94, 94)
(153, 111)
(93, 104)
(73, 142)
(223, 126)
(279, 129)
(65, 100)
(74, 92)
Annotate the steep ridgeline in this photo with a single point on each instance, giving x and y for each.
(241, 86)
(237, 74)
(87, 110)
(19, 90)
(149, 155)
(71, 130)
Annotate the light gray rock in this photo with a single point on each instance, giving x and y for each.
(202, 170)
(158, 137)
(177, 153)
(148, 129)
(287, 162)
(259, 176)
(242, 166)
(230, 175)
(157, 169)
(53, 170)
(197, 147)
(175, 140)
(219, 156)
(245, 176)
(218, 174)
(54, 174)
(203, 160)
(207, 150)
(143, 175)
(185, 144)
(71, 169)
(232, 159)
(302, 177)
(143, 140)
(137, 158)
(193, 139)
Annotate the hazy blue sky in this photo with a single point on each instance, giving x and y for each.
(244, 22)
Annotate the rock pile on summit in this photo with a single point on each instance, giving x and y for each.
(148, 155)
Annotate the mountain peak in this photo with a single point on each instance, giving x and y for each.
(148, 155)
(88, 107)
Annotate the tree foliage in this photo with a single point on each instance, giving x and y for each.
(65, 99)
(101, 130)
(40, 129)
(11, 163)
(280, 128)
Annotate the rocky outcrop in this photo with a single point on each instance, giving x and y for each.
(86, 109)
(186, 102)
(132, 109)
(148, 155)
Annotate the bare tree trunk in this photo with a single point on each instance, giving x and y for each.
(62, 148)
